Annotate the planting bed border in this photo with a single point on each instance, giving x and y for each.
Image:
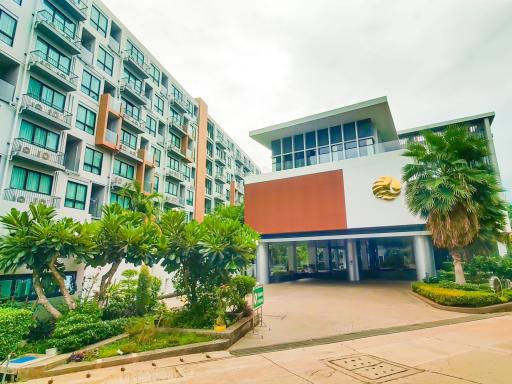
(57, 365)
(504, 307)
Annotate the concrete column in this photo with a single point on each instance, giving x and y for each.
(424, 256)
(312, 254)
(291, 252)
(262, 267)
(353, 268)
(364, 255)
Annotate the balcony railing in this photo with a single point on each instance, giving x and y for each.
(28, 197)
(95, 208)
(6, 91)
(60, 29)
(41, 106)
(180, 103)
(111, 136)
(141, 68)
(118, 182)
(86, 55)
(128, 150)
(23, 147)
(39, 57)
(78, 8)
(175, 174)
(114, 44)
(174, 200)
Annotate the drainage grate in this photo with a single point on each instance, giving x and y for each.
(370, 369)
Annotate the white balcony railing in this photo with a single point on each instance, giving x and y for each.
(29, 197)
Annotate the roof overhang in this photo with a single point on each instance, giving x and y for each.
(375, 109)
(489, 115)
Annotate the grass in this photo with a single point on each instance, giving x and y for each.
(161, 340)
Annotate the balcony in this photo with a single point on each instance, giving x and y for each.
(174, 149)
(178, 125)
(239, 186)
(46, 66)
(189, 156)
(174, 200)
(28, 197)
(133, 91)
(221, 177)
(173, 174)
(219, 196)
(76, 8)
(114, 44)
(118, 182)
(130, 60)
(35, 107)
(146, 158)
(33, 153)
(179, 103)
(6, 91)
(192, 130)
(220, 160)
(221, 141)
(129, 152)
(95, 208)
(57, 31)
(133, 122)
(238, 159)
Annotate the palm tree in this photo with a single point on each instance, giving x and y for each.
(146, 203)
(450, 186)
(38, 242)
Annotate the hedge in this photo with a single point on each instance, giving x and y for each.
(15, 325)
(456, 297)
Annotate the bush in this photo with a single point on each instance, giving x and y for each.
(243, 284)
(142, 296)
(456, 297)
(15, 325)
(41, 330)
(465, 287)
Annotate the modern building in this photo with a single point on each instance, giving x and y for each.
(85, 108)
(333, 204)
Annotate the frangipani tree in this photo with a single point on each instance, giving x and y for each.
(39, 242)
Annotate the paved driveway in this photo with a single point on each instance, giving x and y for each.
(313, 308)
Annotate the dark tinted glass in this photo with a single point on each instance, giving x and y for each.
(336, 134)
(311, 139)
(287, 145)
(276, 147)
(349, 131)
(323, 137)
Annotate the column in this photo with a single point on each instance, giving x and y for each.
(291, 252)
(353, 268)
(424, 256)
(312, 255)
(262, 268)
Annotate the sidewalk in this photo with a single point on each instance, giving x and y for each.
(470, 352)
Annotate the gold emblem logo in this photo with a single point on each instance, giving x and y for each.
(387, 188)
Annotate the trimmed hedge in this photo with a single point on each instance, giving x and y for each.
(457, 297)
(15, 325)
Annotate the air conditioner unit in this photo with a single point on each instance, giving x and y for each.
(20, 199)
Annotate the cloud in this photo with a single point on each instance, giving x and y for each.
(262, 62)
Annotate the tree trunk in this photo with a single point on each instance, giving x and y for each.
(457, 267)
(61, 283)
(106, 279)
(41, 297)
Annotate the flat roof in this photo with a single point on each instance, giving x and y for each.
(375, 109)
(490, 115)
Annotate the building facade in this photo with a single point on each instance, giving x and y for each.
(85, 108)
(333, 204)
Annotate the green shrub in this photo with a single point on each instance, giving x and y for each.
(15, 325)
(41, 330)
(243, 284)
(142, 296)
(456, 297)
(465, 287)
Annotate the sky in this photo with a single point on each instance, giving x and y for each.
(258, 63)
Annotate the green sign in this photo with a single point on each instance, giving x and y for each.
(257, 297)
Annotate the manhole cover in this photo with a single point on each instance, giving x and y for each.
(370, 369)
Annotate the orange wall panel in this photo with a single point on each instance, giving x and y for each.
(306, 203)
(202, 133)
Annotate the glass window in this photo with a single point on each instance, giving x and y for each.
(364, 128)
(7, 27)
(76, 194)
(208, 186)
(311, 157)
(276, 163)
(156, 183)
(176, 140)
(91, 85)
(99, 21)
(351, 149)
(287, 145)
(207, 205)
(123, 169)
(366, 147)
(209, 168)
(349, 131)
(276, 147)
(159, 105)
(311, 140)
(46, 95)
(298, 142)
(133, 80)
(190, 197)
(135, 53)
(130, 109)
(39, 136)
(336, 134)
(85, 119)
(93, 161)
(57, 18)
(288, 161)
(128, 139)
(324, 155)
(105, 61)
(337, 152)
(156, 154)
(121, 200)
(299, 159)
(174, 164)
(32, 181)
(52, 56)
(151, 125)
(323, 137)
(154, 72)
(171, 188)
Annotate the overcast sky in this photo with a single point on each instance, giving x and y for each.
(258, 63)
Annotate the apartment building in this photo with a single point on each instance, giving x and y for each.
(85, 108)
(334, 203)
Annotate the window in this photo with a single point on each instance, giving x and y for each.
(171, 188)
(287, 145)
(176, 141)
(311, 139)
(20, 287)
(57, 18)
(123, 169)
(85, 119)
(210, 129)
(105, 61)
(364, 128)
(208, 185)
(189, 173)
(336, 134)
(151, 125)
(134, 52)
(209, 149)
(52, 56)
(93, 161)
(157, 155)
(349, 131)
(190, 197)
(209, 168)
(76, 194)
(173, 163)
(32, 181)
(128, 139)
(91, 85)
(156, 183)
(130, 109)
(159, 105)
(154, 72)
(18, 2)
(298, 142)
(207, 205)
(39, 136)
(218, 188)
(133, 80)
(46, 95)
(99, 21)
(323, 137)
(121, 200)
